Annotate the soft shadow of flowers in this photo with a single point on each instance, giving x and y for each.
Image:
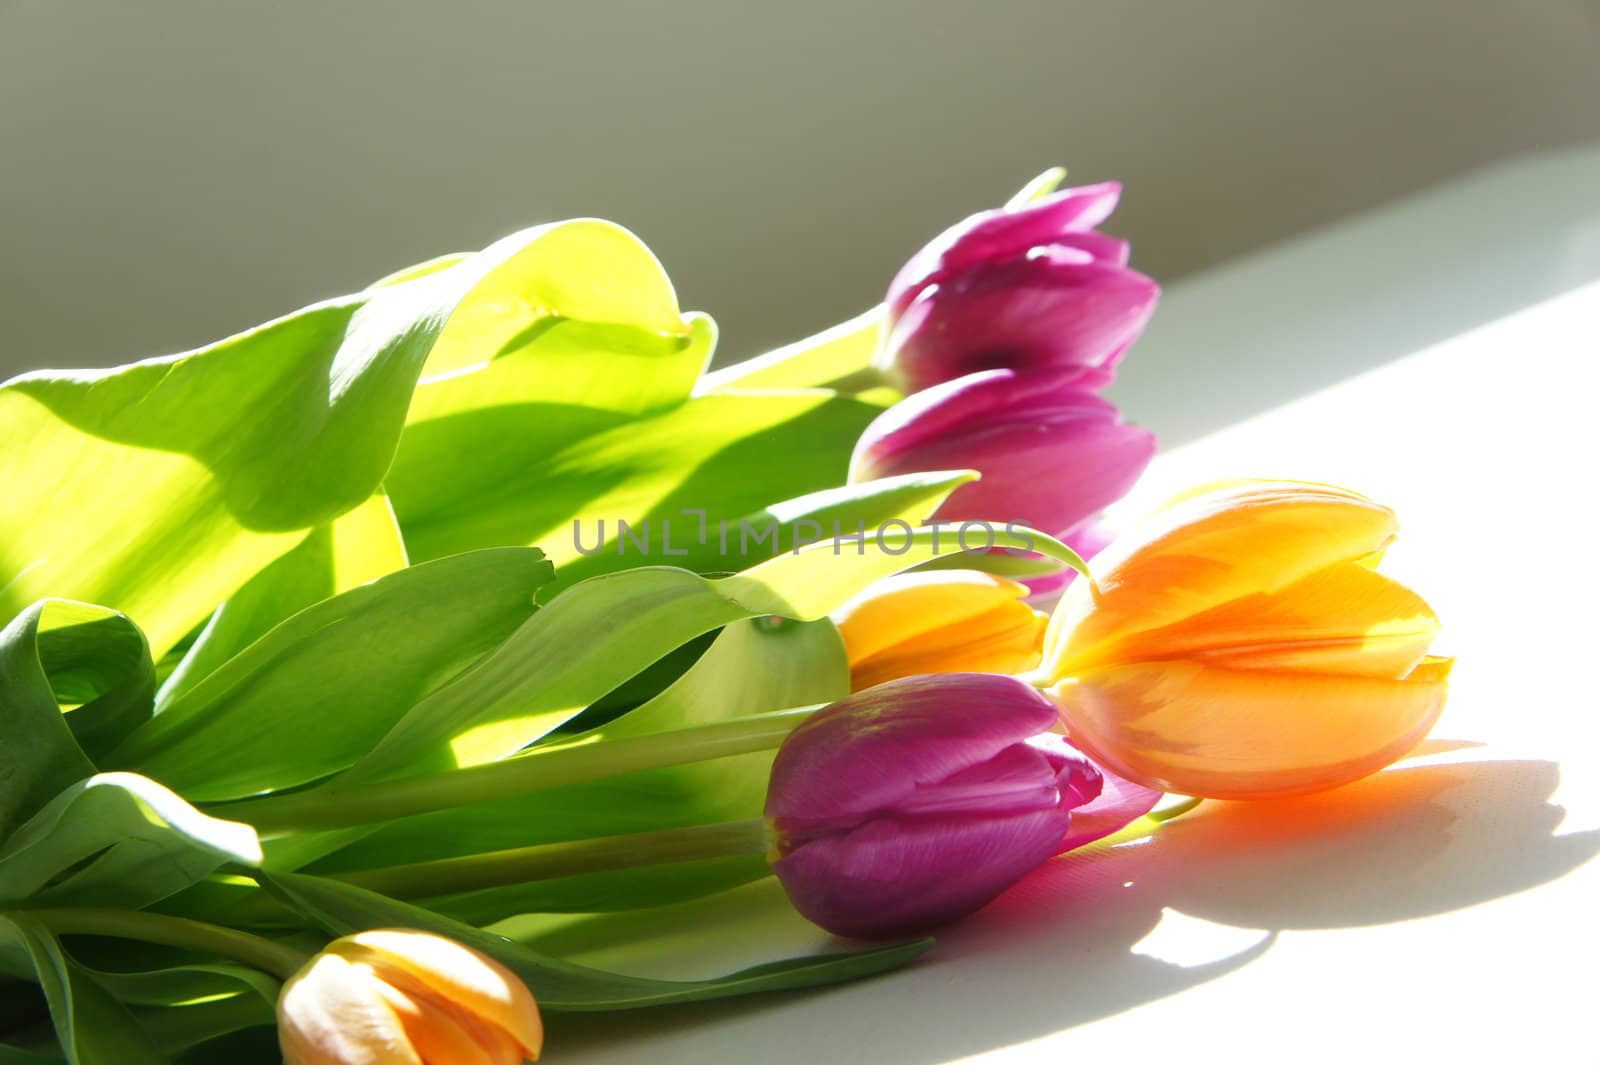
(1060, 949)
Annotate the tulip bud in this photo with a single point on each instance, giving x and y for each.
(1240, 644)
(939, 621)
(406, 996)
(1051, 455)
(1025, 288)
(913, 803)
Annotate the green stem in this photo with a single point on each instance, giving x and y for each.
(475, 872)
(276, 958)
(384, 800)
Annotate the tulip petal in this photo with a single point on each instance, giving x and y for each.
(1101, 247)
(1002, 234)
(1201, 730)
(1006, 639)
(1209, 550)
(334, 1010)
(1046, 311)
(1019, 779)
(436, 1033)
(898, 876)
(1120, 803)
(473, 982)
(886, 614)
(1051, 455)
(1346, 619)
(872, 749)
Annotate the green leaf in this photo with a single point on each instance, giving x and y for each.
(753, 667)
(99, 669)
(728, 455)
(313, 695)
(159, 488)
(181, 985)
(833, 355)
(561, 986)
(39, 755)
(597, 634)
(117, 839)
(91, 1025)
(359, 546)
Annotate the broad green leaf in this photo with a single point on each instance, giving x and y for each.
(92, 1026)
(99, 669)
(159, 488)
(359, 546)
(520, 473)
(597, 634)
(181, 985)
(117, 839)
(585, 270)
(559, 363)
(313, 695)
(754, 666)
(203, 1024)
(10, 1055)
(561, 986)
(831, 356)
(718, 545)
(39, 756)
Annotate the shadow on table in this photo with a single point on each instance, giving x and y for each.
(1064, 947)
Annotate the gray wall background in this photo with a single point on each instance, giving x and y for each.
(174, 171)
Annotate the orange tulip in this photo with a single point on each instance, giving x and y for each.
(939, 621)
(403, 997)
(1240, 644)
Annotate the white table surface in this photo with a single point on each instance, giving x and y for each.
(1439, 355)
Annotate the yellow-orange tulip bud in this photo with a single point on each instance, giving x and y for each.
(1240, 644)
(940, 621)
(402, 997)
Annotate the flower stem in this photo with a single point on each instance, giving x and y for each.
(384, 800)
(474, 872)
(279, 959)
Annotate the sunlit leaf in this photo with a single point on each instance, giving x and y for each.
(754, 666)
(161, 487)
(117, 839)
(599, 633)
(359, 546)
(313, 695)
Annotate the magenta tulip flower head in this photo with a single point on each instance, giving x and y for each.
(915, 802)
(1051, 454)
(1022, 288)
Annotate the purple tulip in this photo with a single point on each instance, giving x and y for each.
(915, 802)
(1052, 454)
(1027, 288)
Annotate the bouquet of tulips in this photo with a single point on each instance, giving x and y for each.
(332, 647)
